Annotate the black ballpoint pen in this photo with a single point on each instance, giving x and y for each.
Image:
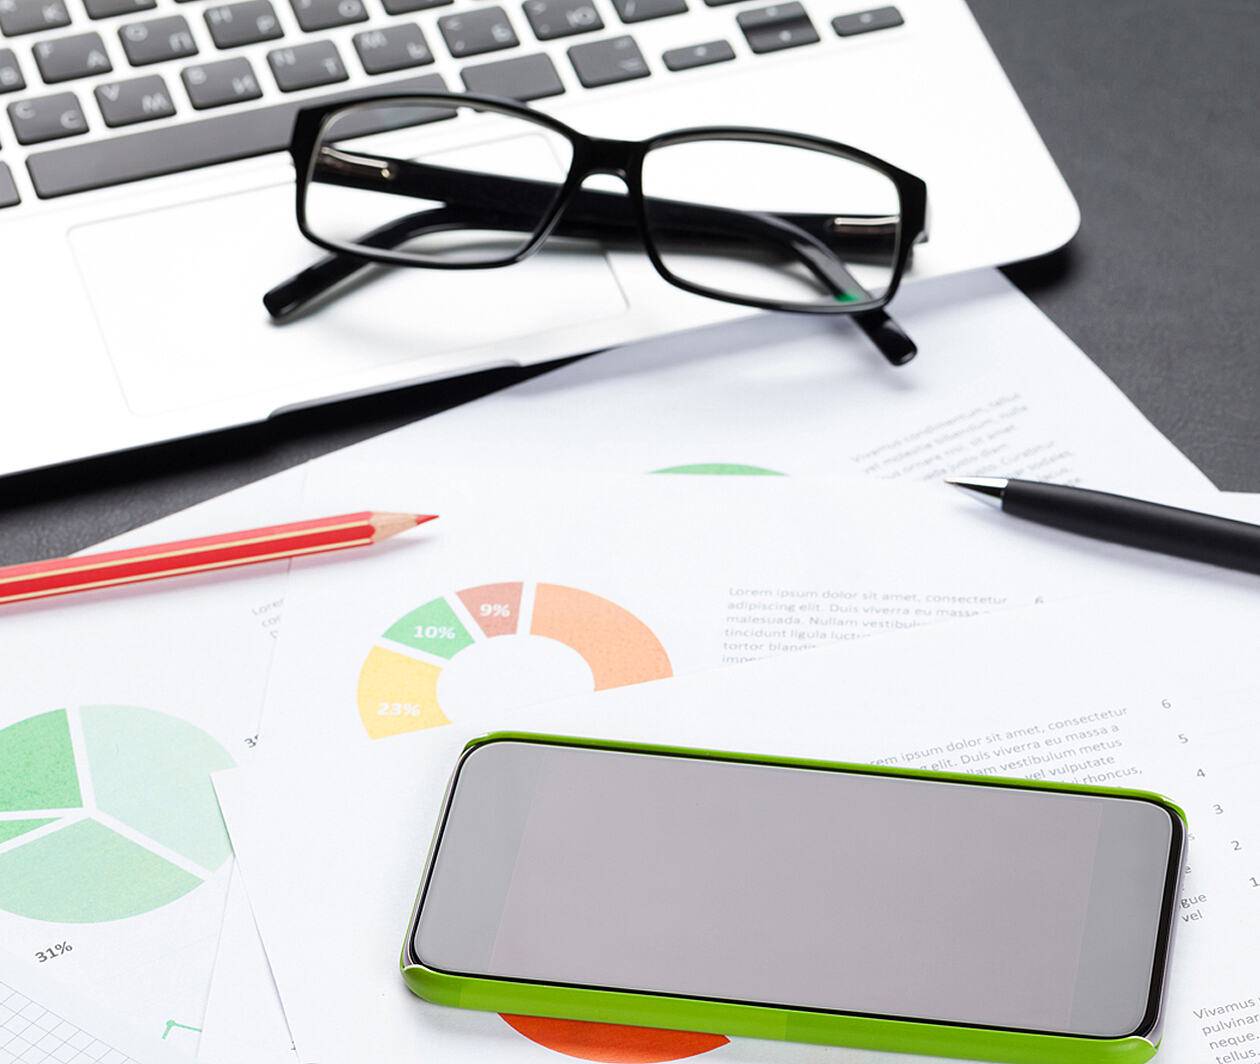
(1119, 519)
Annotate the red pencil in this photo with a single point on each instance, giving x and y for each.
(60, 576)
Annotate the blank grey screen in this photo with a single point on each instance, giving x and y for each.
(797, 887)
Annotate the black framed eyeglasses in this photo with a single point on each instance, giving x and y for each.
(758, 217)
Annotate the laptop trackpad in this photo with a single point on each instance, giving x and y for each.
(192, 329)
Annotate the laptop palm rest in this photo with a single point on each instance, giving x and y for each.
(195, 332)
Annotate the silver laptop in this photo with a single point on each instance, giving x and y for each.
(146, 202)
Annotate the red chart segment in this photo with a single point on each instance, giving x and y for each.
(495, 607)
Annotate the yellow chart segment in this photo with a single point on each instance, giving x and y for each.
(398, 683)
(398, 694)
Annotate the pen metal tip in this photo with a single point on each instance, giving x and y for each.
(988, 488)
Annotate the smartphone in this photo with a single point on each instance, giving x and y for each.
(842, 904)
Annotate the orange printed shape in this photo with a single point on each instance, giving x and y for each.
(619, 648)
(611, 1042)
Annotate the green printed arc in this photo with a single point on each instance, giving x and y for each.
(722, 469)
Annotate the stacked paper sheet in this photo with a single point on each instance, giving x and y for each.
(553, 548)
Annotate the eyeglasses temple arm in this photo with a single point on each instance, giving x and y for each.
(291, 295)
(593, 214)
(302, 288)
(869, 237)
(891, 339)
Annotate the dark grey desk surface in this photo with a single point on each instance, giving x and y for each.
(1152, 110)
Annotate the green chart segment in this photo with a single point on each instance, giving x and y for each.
(123, 825)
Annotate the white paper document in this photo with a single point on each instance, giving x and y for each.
(117, 705)
(996, 390)
(1154, 693)
(244, 1020)
(529, 589)
(44, 1022)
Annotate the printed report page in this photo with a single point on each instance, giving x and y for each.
(1151, 693)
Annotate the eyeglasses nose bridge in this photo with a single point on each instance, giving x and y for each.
(602, 155)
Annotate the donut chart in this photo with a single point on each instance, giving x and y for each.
(398, 682)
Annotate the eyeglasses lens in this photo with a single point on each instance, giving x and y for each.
(765, 221)
(388, 178)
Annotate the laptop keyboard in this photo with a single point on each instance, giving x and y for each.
(167, 93)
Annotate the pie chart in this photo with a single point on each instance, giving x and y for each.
(106, 812)
(399, 684)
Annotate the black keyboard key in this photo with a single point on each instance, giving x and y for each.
(124, 103)
(392, 48)
(642, 10)
(10, 73)
(306, 65)
(561, 18)
(47, 118)
(698, 55)
(72, 57)
(403, 7)
(607, 62)
(880, 18)
(188, 145)
(31, 16)
(531, 77)
(486, 30)
(313, 15)
(249, 22)
(771, 29)
(157, 40)
(224, 82)
(8, 189)
(110, 8)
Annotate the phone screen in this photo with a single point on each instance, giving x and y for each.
(804, 888)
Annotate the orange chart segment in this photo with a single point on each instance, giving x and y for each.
(398, 694)
(619, 648)
(495, 607)
(613, 1043)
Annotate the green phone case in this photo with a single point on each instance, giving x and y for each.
(765, 1021)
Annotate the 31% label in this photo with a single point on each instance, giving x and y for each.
(50, 952)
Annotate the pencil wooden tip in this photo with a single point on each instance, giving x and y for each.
(387, 525)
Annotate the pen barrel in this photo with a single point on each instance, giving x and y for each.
(1136, 523)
